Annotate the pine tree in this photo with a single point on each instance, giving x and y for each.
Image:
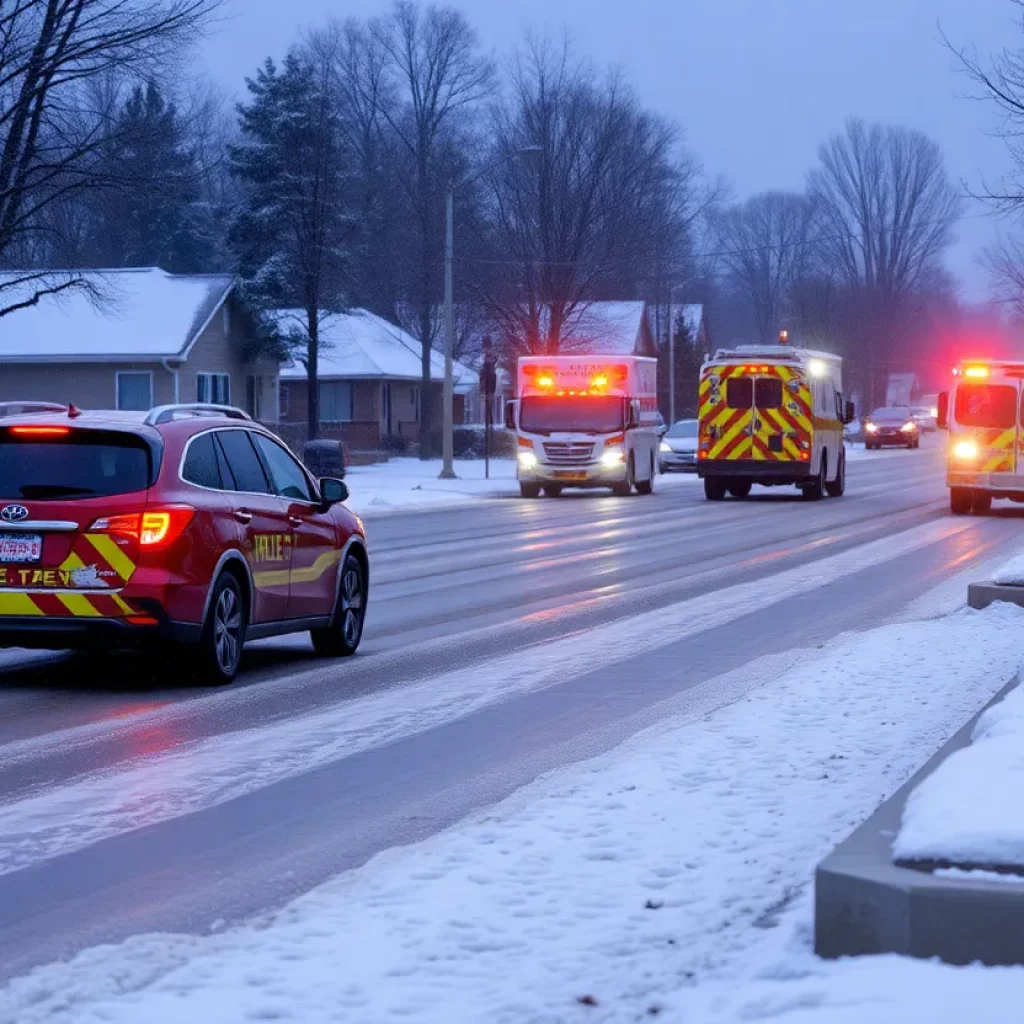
(293, 230)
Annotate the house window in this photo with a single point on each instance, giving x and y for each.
(213, 388)
(337, 403)
(254, 397)
(135, 390)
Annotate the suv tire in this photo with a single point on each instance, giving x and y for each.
(340, 639)
(216, 657)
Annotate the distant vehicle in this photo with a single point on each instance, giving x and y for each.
(586, 421)
(678, 448)
(924, 416)
(891, 427)
(986, 442)
(772, 415)
(24, 408)
(187, 530)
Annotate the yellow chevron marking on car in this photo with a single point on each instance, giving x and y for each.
(112, 554)
(18, 604)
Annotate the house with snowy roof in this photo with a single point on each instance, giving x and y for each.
(130, 339)
(369, 379)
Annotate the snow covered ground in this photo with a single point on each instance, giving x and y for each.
(669, 877)
(1011, 573)
(968, 811)
(408, 484)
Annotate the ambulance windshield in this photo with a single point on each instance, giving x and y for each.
(574, 414)
(986, 405)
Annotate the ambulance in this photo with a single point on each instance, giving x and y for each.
(586, 421)
(982, 412)
(772, 415)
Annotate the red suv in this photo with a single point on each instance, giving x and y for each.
(189, 526)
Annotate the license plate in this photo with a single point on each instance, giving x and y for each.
(567, 475)
(21, 547)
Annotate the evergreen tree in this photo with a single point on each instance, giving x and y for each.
(293, 229)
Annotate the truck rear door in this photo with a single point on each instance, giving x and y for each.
(726, 413)
(987, 414)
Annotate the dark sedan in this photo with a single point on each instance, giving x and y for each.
(892, 426)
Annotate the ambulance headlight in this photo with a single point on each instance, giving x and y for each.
(966, 451)
(612, 457)
(527, 460)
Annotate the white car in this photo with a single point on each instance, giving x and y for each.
(926, 417)
(677, 452)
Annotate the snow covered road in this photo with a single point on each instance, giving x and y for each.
(506, 639)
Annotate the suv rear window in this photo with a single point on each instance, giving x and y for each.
(82, 464)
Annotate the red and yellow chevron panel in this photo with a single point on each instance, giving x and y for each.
(86, 584)
(997, 449)
(780, 435)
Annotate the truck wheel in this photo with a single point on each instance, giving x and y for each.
(529, 490)
(646, 486)
(837, 488)
(815, 490)
(714, 488)
(960, 501)
(553, 490)
(740, 488)
(981, 503)
(624, 490)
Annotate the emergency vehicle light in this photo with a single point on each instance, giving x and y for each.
(817, 368)
(600, 381)
(965, 450)
(545, 382)
(975, 371)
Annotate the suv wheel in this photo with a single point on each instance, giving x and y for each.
(341, 638)
(216, 657)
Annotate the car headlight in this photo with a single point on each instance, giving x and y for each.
(528, 460)
(871, 428)
(934, 412)
(908, 428)
(965, 450)
(663, 447)
(612, 457)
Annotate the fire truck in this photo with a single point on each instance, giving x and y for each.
(985, 458)
(772, 415)
(586, 421)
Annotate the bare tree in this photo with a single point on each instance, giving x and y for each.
(50, 50)
(576, 221)
(887, 209)
(765, 251)
(439, 75)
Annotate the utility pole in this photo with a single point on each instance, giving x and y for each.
(448, 429)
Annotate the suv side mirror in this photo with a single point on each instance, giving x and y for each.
(943, 417)
(510, 414)
(849, 413)
(333, 491)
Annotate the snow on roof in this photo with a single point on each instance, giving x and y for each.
(133, 314)
(360, 344)
(606, 327)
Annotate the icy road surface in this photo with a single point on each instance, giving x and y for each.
(505, 639)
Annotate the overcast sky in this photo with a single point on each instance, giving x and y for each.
(755, 84)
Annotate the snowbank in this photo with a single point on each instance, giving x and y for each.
(1012, 573)
(969, 810)
(603, 891)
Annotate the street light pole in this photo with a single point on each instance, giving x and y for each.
(448, 430)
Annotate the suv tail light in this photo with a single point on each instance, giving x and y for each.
(153, 528)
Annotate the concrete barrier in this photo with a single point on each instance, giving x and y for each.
(866, 904)
(981, 595)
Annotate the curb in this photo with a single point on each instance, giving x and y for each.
(981, 595)
(864, 904)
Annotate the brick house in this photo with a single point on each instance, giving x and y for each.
(137, 338)
(370, 380)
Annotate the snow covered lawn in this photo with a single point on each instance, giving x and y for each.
(969, 810)
(403, 485)
(1012, 573)
(657, 879)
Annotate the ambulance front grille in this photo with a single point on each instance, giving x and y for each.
(569, 453)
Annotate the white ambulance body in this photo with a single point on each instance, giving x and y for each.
(587, 421)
